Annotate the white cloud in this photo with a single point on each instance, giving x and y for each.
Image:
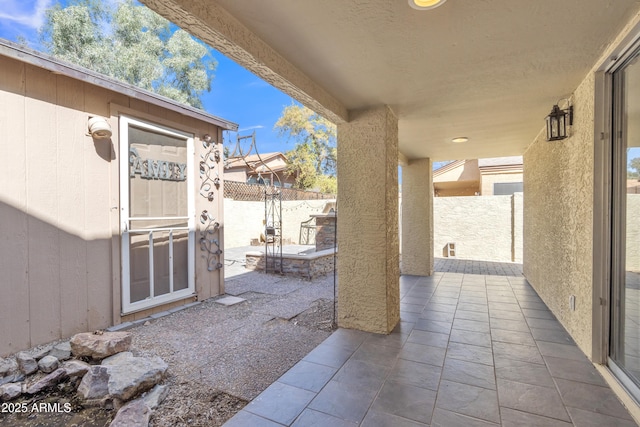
(251, 127)
(29, 13)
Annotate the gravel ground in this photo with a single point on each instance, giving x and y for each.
(222, 357)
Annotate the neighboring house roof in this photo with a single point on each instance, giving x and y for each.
(255, 161)
(58, 66)
(500, 164)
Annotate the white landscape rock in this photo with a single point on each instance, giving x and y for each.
(61, 351)
(76, 368)
(156, 396)
(99, 346)
(10, 391)
(122, 377)
(135, 413)
(48, 364)
(26, 363)
(8, 367)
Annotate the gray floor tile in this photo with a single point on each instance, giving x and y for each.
(471, 325)
(473, 300)
(362, 374)
(551, 335)
(311, 418)
(435, 299)
(482, 308)
(247, 419)
(525, 353)
(423, 354)
(329, 355)
(510, 325)
(440, 316)
(380, 419)
(414, 300)
(343, 401)
(504, 307)
(505, 314)
(411, 308)
(416, 374)
(470, 353)
(544, 323)
(514, 337)
(375, 353)
(538, 314)
(465, 372)
(433, 326)
(531, 398)
(591, 398)
(280, 402)
(480, 316)
(502, 299)
(513, 418)
(576, 370)
(308, 376)
(347, 338)
(444, 418)
(470, 337)
(582, 418)
(396, 339)
(440, 307)
(534, 305)
(405, 400)
(564, 351)
(523, 372)
(428, 338)
(465, 399)
(407, 316)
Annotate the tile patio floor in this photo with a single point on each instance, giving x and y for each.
(471, 350)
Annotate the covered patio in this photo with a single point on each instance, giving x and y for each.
(470, 350)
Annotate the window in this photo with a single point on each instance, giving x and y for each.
(507, 188)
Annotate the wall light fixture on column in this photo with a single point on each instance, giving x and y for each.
(99, 127)
(557, 122)
(425, 4)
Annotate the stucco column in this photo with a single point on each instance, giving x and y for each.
(417, 218)
(368, 248)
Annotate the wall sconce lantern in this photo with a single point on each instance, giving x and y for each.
(99, 128)
(557, 123)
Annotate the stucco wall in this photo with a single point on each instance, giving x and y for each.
(368, 267)
(59, 206)
(633, 233)
(558, 219)
(244, 219)
(481, 227)
(417, 214)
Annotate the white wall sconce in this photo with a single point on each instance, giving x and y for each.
(99, 127)
(557, 122)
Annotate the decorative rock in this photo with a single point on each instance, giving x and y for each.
(156, 396)
(134, 413)
(61, 351)
(10, 391)
(76, 368)
(12, 378)
(122, 378)
(48, 364)
(49, 381)
(117, 359)
(42, 352)
(26, 363)
(8, 367)
(99, 346)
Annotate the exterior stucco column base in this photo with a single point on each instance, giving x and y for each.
(368, 264)
(417, 218)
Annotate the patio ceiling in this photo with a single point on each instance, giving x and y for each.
(489, 70)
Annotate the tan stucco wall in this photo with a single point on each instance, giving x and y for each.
(417, 217)
(368, 266)
(59, 205)
(480, 227)
(488, 179)
(244, 219)
(558, 219)
(632, 255)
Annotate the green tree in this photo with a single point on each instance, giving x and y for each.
(635, 165)
(313, 159)
(131, 43)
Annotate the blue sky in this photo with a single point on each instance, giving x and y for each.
(236, 94)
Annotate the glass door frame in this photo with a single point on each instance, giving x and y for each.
(129, 307)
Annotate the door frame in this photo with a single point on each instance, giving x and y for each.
(128, 307)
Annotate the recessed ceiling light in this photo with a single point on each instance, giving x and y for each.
(425, 4)
(459, 139)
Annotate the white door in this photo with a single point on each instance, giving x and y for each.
(157, 214)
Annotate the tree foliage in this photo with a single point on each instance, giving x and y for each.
(635, 165)
(131, 43)
(313, 159)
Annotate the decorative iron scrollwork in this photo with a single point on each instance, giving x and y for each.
(209, 245)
